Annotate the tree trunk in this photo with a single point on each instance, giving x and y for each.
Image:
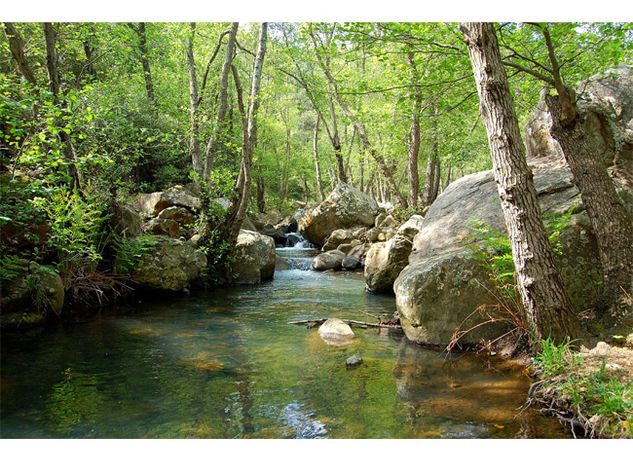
(218, 123)
(438, 177)
(16, 45)
(317, 168)
(54, 80)
(414, 147)
(545, 300)
(336, 145)
(237, 209)
(194, 127)
(448, 177)
(610, 220)
(429, 181)
(147, 72)
(261, 202)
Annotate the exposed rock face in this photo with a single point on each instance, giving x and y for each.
(173, 265)
(335, 331)
(177, 213)
(345, 207)
(167, 227)
(338, 237)
(329, 260)
(442, 284)
(255, 261)
(152, 203)
(607, 102)
(126, 220)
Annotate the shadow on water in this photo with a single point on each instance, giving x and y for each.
(225, 364)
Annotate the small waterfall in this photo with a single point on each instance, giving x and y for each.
(296, 241)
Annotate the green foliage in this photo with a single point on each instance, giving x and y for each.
(595, 393)
(77, 224)
(130, 251)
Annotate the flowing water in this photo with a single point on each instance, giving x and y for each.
(225, 364)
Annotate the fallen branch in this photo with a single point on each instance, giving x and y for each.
(350, 322)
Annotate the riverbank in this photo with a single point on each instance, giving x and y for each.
(589, 389)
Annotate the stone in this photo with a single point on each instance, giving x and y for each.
(351, 263)
(278, 236)
(167, 227)
(126, 220)
(338, 237)
(353, 361)
(345, 207)
(177, 196)
(173, 265)
(179, 214)
(146, 202)
(336, 331)
(411, 227)
(379, 218)
(373, 234)
(384, 261)
(332, 259)
(255, 258)
(247, 224)
(389, 222)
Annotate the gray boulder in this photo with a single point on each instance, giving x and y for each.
(332, 259)
(158, 226)
(338, 237)
(384, 262)
(255, 258)
(172, 266)
(345, 207)
(179, 214)
(126, 220)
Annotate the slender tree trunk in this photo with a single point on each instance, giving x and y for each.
(218, 123)
(414, 147)
(261, 202)
(547, 306)
(16, 45)
(429, 181)
(237, 209)
(361, 173)
(147, 72)
(610, 220)
(438, 177)
(54, 80)
(336, 145)
(432, 167)
(317, 168)
(194, 127)
(90, 67)
(448, 176)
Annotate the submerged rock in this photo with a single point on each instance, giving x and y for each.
(336, 331)
(353, 361)
(255, 258)
(345, 207)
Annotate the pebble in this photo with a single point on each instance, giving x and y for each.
(354, 360)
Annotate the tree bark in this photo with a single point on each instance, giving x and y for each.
(194, 127)
(414, 147)
(237, 209)
(610, 220)
(54, 81)
(545, 300)
(147, 72)
(16, 45)
(218, 123)
(260, 188)
(317, 168)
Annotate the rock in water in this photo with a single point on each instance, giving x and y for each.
(345, 207)
(353, 361)
(336, 332)
(255, 261)
(332, 259)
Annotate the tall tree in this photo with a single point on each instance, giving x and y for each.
(548, 308)
(219, 120)
(414, 146)
(237, 208)
(194, 126)
(315, 146)
(16, 45)
(141, 33)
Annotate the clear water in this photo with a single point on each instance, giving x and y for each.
(225, 364)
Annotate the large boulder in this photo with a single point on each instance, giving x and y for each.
(179, 214)
(172, 265)
(443, 284)
(255, 258)
(338, 237)
(345, 207)
(158, 226)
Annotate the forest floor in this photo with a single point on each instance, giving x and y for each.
(590, 389)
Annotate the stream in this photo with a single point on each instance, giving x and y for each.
(225, 364)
